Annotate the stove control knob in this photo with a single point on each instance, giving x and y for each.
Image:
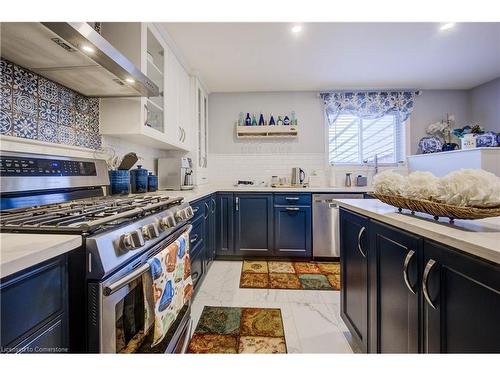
(189, 212)
(167, 222)
(181, 215)
(150, 231)
(132, 240)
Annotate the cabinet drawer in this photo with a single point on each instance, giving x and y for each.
(292, 199)
(30, 300)
(196, 235)
(49, 339)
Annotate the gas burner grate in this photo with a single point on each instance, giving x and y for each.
(84, 216)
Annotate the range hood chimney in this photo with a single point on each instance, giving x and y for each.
(76, 56)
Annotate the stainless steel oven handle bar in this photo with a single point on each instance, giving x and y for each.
(139, 271)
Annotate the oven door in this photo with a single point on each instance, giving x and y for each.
(119, 309)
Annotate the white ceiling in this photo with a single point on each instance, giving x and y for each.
(269, 57)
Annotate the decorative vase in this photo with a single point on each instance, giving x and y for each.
(449, 147)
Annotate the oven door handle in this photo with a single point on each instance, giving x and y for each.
(117, 285)
(139, 271)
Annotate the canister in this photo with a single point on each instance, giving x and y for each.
(152, 182)
(139, 180)
(119, 182)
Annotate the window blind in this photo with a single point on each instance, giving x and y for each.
(353, 140)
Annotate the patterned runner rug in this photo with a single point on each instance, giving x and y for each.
(290, 275)
(234, 330)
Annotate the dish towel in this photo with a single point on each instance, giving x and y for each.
(172, 286)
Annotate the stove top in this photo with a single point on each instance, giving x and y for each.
(85, 216)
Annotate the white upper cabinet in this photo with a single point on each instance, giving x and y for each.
(178, 101)
(157, 121)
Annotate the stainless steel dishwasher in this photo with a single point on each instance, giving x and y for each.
(326, 242)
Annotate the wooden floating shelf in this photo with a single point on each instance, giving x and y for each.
(267, 131)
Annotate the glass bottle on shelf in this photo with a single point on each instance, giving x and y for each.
(261, 119)
(248, 120)
(254, 120)
(280, 121)
(271, 120)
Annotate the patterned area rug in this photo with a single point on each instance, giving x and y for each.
(290, 275)
(234, 330)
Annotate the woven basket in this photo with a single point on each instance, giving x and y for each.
(438, 209)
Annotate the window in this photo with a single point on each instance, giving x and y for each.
(352, 140)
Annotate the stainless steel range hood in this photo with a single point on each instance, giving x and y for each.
(76, 56)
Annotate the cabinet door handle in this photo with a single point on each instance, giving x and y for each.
(196, 209)
(183, 134)
(292, 198)
(292, 208)
(407, 261)
(207, 210)
(145, 115)
(425, 279)
(237, 203)
(359, 241)
(193, 239)
(180, 134)
(214, 204)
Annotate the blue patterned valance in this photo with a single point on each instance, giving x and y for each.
(369, 104)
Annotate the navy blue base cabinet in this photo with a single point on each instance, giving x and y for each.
(202, 239)
(253, 225)
(224, 225)
(354, 275)
(461, 309)
(402, 293)
(394, 282)
(263, 225)
(292, 225)
(34, 309)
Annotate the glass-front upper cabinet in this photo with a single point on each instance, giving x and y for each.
(155, 70)
(202, 121)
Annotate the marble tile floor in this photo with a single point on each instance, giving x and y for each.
(311, 318)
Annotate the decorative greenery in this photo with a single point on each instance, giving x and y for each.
(469, 129)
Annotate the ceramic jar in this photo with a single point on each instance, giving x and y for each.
(119, 182)
(139, 180)
(152, 182)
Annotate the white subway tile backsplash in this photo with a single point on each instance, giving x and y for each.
(228, 168)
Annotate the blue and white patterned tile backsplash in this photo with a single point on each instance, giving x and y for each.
(34, 107)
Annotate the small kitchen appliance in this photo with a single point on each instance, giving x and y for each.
(61, 195)
(298, 176)
(175, 174)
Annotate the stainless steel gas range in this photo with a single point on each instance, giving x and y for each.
(61, 195)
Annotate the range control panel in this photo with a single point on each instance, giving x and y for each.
(20, 166)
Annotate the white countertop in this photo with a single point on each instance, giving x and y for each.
(201, 191)
(476, 237)
(20, 251)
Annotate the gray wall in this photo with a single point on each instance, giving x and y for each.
(432, 106)
(224, 109)
(484, 105)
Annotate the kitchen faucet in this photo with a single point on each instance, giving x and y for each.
(375, 163)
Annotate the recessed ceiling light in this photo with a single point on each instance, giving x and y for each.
(297, 29)
(130, 80)
(88, 49)
(447, 26)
